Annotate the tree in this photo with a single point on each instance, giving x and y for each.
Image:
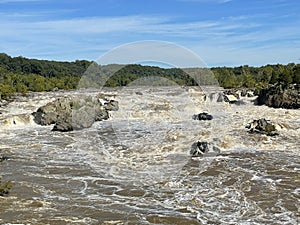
(296, 74)
(286, 77)
(274, 78)
(6, 91)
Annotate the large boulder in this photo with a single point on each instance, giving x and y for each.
(75, 113)
(201, 148)
(280, 96)
(53, 111)
(262, 126)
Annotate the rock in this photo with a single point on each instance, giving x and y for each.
(3, 102)
(138, 93)
(262, 126)
(214, 97)
(201, 148)
(234, 92)
(221, 98)
(202, 116)
(244, 92)
(111, 105)
(75, 113)
(5, 187)
(280, 96)
(231, 98)
(3, 158)
(250, 94)
(239, 102)
(247, 92)
(52, 111)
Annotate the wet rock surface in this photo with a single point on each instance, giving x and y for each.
(201, 148)
(3, 158)
(75, 113)
(280, 96)
(202, 116)
(262, 126)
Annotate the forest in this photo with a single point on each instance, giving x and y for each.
(20, 75)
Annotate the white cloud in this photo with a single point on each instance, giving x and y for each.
(235, 40)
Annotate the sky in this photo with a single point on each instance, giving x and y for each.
(220, 32)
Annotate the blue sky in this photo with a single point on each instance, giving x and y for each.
(221, 32)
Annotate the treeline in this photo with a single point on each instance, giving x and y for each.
(44, 68)
(19, 74)
(130, 73)
(227, 77)
(247, 76)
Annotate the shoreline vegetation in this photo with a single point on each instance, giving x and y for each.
(19, 75)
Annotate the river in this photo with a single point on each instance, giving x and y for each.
(135, 168)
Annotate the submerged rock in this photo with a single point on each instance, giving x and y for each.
(5, 187)
(280, 96)
(3, 158)
(75, 113)
(262, 126)
(138, 93)
(202, 116)
(201, 148)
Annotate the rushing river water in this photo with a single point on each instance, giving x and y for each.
(135, 168)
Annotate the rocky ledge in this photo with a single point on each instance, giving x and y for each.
(75, 113)
(280, 96)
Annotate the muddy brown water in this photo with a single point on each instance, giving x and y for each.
(135, 168)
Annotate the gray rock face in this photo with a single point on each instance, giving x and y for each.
(279, 96)
(262, 126)
(75, 113)
(201, 148)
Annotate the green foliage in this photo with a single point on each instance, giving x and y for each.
(296, 74)
(246, 76)
(274, 78)
(45, 68)
(6, 91)
(130, 73)
(21, 75)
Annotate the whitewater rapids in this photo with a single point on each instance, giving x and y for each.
(135, 168)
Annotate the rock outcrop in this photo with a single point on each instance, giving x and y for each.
(75, 113)
(262, 126)
(202, 116)
(280, 96)
(201, 148)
